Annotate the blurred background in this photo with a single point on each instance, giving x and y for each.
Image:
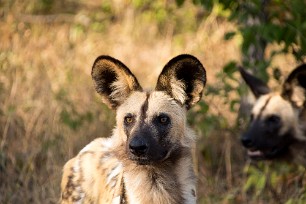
(49, 109)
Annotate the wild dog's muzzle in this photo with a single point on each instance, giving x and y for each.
(262, 143)
(138, 146)
(145, 149)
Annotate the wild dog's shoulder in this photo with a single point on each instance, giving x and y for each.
(94, 173)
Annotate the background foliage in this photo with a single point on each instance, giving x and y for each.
(267, 28)
(49, 109)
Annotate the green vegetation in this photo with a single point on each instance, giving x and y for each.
(267, 28)
(49, 109)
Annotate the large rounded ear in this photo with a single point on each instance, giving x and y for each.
(113, 80)
(257, 86)
(183, 78)
(294, 88)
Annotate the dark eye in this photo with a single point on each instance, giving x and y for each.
(128, 119)
(275, 119)
(163, 119)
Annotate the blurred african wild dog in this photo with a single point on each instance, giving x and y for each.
(148, 158)
(277, 128)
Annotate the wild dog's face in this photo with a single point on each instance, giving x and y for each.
(271, 129)
(150, 124)
(274, 120)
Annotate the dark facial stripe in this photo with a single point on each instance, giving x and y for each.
(264, 107)
(144, 108)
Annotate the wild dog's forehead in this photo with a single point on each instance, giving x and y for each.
(133, 103)
(272, 104)
(154, 103)
(160, 102)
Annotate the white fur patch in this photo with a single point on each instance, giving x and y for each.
(298, 96)
(117, 170)
(119, 90)
(178, 90)
(116, 200)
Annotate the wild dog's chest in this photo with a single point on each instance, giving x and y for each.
(162, 186)
(101, 177)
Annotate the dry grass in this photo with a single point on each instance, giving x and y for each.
(49, 109)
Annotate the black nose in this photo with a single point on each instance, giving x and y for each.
(247, 142)
(138, 146)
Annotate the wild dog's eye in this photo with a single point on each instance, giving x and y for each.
(163, 119)
(274, 119)
(128, 119)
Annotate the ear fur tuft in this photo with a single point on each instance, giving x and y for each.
(113, 80)
(183, 78)
(294, 88)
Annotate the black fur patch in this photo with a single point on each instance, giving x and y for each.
(103, 82)
(281, 146)
(144, 109)
(70, 187)
(161, 128)
(257, 86)
(263, 108)
(186, 69)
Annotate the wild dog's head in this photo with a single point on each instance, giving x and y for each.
(151, 124)
(275, 117)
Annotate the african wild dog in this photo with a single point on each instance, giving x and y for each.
(148, 159)
(277, 128)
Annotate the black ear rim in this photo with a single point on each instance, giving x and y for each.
(170, 69)
(257, 86)
(301, 69)
(116, 62)
(171, 65)
(298, 73)
(107, 90)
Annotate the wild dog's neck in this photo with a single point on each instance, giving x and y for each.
(169, 182)
(150, 185)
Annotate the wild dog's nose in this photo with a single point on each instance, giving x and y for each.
(138, 146)
(247, 142)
